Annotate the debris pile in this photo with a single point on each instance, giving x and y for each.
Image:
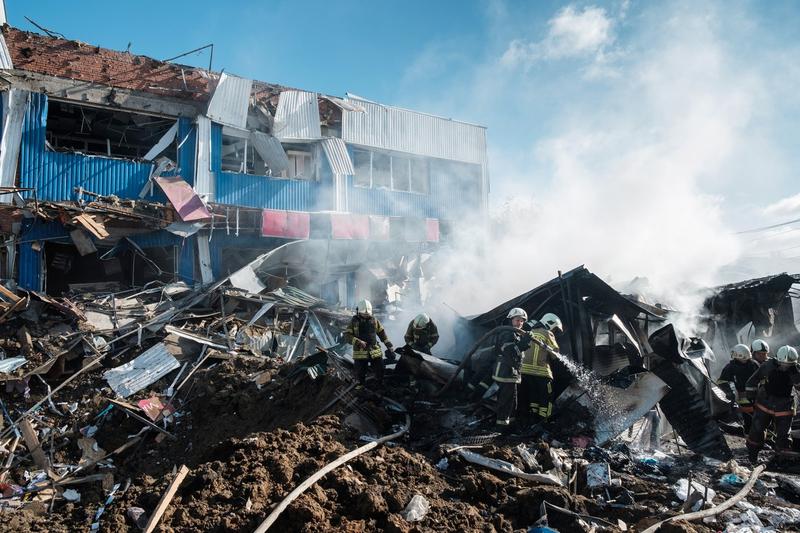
(217, 409)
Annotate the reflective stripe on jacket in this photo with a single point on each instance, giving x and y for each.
(423, 338)
(366, 330)
(536, 360)
(509, 358)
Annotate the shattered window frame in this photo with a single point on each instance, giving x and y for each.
(58, 139)
(249, 162)
(381, 175)
(295, 153)
(358, 160)
(414, 180)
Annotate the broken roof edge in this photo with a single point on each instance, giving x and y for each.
(350, 96)
(580, 272)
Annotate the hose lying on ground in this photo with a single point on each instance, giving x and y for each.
(305, 485)
(727, 504)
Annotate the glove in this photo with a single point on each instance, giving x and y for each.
(389, 345)
(360, 344)
(390, 355)
(525, 342)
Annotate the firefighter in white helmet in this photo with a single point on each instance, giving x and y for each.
(734, 379)
(422, 334)
(509, 348)
(760, 350)
(363, 333)
(772, 387)
(536, 392)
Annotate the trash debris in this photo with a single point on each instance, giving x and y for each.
(72, 495)
(416, 509)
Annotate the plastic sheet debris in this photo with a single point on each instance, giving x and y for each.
(443, 464)
(137, 516)
(416, 509)
(732, 480)
(72, 495)
(528, 458)
(681, 489)
(598, 475)
(10, 364)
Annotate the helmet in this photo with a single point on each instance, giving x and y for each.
(759, 346)
(421, 320)
(740, 352)
(364, 307)
(517, 312)
(787, 355)
(552, 322)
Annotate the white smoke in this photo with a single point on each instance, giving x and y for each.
(627, 181)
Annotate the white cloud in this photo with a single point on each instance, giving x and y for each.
(786, 206)
(571, 33)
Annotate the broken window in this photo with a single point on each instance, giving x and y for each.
(362, 162)
(239, 155)
(108, 132)
(401, 169)
(420, 176)
(301, 165)
(381, 171)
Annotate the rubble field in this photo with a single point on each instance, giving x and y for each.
(211, 407)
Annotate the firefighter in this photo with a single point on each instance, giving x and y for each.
(735, 375)
(772, 388)
(363, 333)
(760, 351)
(536, 393)
(510, 346)
(422, 334)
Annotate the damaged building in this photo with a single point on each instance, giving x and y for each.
(121, 168)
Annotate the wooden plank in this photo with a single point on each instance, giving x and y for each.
(9, 294)
(33, 445)
(92, 226)
(166, 499)
(82, 242)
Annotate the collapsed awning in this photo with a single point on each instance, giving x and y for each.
(184, 199)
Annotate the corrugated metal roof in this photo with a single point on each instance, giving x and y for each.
(15, 103)
(297, 116)
(401, 130)
(230, 101)
(5, 55)
(203, 179)
(271, 151)
(338, 157)
(137, 374)
(346, 105)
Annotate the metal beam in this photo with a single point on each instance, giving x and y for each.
(89, 93)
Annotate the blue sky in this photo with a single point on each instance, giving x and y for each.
(680, 117)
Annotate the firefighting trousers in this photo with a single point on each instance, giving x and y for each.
(761, 419)
(506, 403)
(480, 378)
(361, 365)
(536, 397)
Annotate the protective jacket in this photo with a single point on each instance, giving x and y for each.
(367, 330)
(423, 338)
(738, 372)
(536, 360)
(773, 388)
(509, 348)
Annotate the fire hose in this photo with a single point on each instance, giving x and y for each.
(305, 485)
(477, 345)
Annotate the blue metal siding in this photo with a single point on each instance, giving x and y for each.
(266, 193)
(30, 260)
(55, 174)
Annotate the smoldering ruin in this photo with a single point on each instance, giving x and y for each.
(188, 254)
